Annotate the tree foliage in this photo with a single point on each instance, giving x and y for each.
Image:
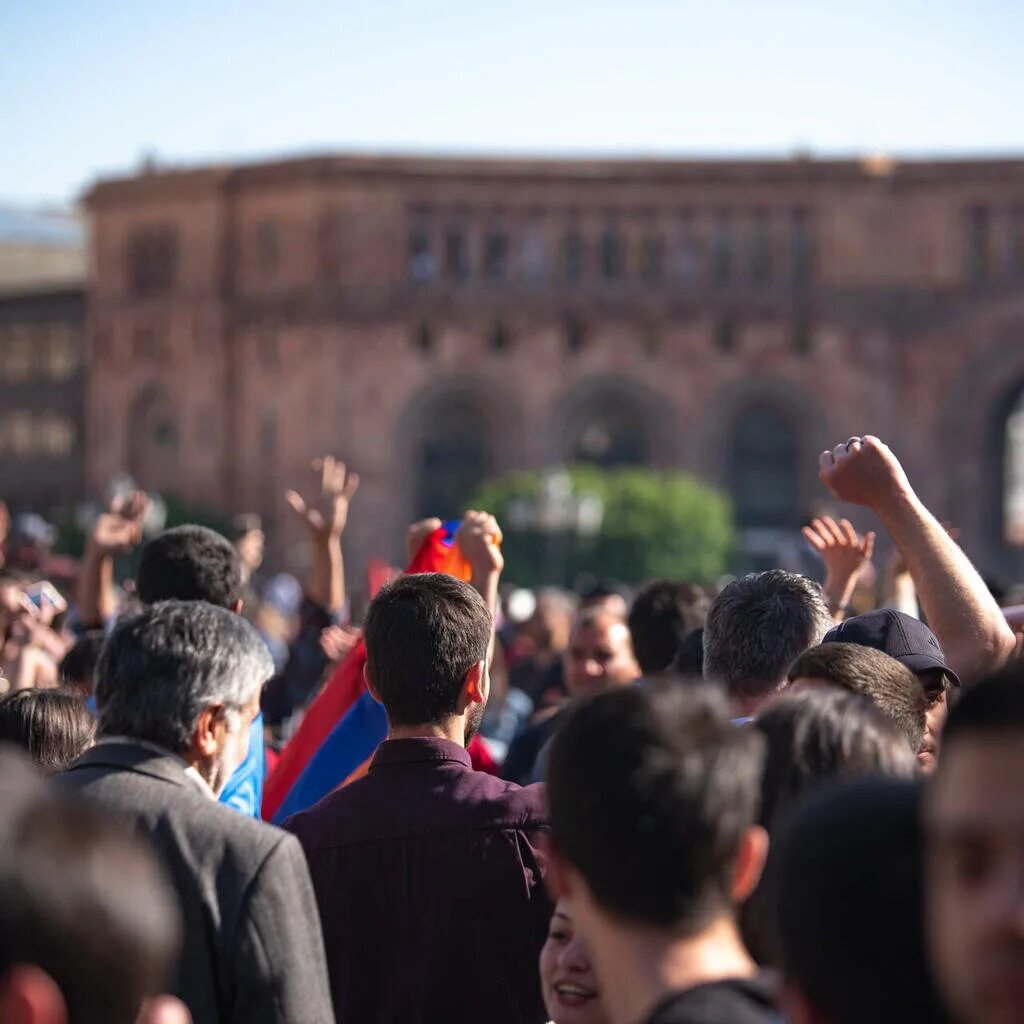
(654, 524)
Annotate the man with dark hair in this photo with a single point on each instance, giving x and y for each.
(890, 686)
(974, 846)
(653, 796)
(88, 925)
(756, 628)
(662, 615)
(190, 563)
(178, 685)
(599, 657)
(850, 905)
(428, 874)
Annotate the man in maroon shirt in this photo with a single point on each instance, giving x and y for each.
(427, 873)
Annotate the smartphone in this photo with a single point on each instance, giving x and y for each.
(45, 595)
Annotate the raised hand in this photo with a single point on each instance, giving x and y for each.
(119, 530)
(417, 533)
(863, 471)
(479, 539)
(325, 512)
(844, 551)
(337, 641)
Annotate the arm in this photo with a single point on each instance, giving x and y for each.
(479, 538)
(115, 532)
(845, 554)
(279, 956)
(326, 517)
(962, 613)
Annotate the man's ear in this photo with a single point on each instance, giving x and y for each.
(473, 684)
(236, 607)
(210, 729)
(28, 995)
(749, 863)
(369, 684)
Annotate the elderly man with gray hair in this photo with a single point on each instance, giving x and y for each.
(178, 685)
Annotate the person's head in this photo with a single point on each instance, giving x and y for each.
(51, 726)
(88, 925)
(29, 542)
(848, 905)
(599, 655)
(756, 628)
(190, 563)
(914, 646)
(571, 992)
(890, 686)
(819, 735)
(604, 598)
(187, 676)
(689, 660)
(427, 637)
(78, 666)
(662, 615)
(653, 796)
(974, 853)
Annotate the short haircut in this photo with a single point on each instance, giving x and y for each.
(849, 904)
(758, 626)
(423, 634)
(190, 563)
(993, 705)
(819, 735)
(163, 665)
(651, 790)
(78, 666)
(51, 726)
(663, 613)
(890, 686)
(84, 901)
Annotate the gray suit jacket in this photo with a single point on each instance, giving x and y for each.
(253, 949)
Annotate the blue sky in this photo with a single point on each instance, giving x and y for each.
(86, 88)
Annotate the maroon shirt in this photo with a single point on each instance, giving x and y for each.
(428, 879)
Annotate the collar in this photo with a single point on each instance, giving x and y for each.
(419, 750)
(150, 758)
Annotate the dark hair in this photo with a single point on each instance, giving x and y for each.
(663, 613)
(51, 726)
(758, 626)
(651, 790)
(78, 666)
(190, 563)
(890, 686)
(992, 705)
(820, 735)
(84, 901)
(423, 634)
(163, 665)
(849, 904)
(689, 659)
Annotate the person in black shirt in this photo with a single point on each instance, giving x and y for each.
(653, 797)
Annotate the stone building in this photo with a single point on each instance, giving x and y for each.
(435, 321)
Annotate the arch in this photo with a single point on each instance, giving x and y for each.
(764, 468)
(614, 422)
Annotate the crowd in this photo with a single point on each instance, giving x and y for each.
(775, 800)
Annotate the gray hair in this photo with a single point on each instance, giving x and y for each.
(161, 667)
(758, 626)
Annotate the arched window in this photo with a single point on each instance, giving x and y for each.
(1013, 475)
(608, 430)
(453, 457)
(764, 475)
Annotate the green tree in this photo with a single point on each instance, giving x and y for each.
(654, 524)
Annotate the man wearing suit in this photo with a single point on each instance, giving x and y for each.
(178, 686)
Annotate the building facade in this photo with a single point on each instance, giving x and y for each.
(437, 321)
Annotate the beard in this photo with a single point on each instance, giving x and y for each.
(473, 720)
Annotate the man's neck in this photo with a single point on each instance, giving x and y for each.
(453, 729)
(640, 967)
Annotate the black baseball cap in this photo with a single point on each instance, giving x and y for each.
(897, 634)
